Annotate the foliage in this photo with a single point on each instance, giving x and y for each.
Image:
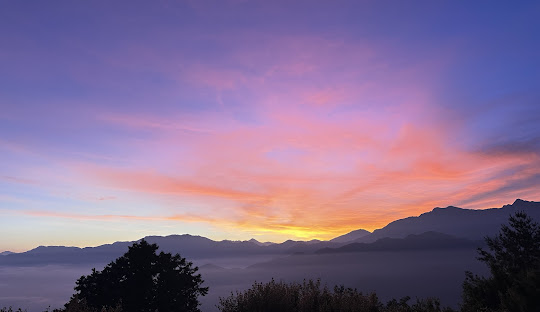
(140, 280)
(421, 305)
(514, 263)
(10, 309)
(310, 296)
(80, 305)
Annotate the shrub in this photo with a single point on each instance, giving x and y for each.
(310, 296)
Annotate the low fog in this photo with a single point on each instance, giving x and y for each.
(437, 273)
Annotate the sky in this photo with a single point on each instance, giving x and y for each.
(271, 120)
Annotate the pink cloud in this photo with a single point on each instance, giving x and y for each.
(408, 169)
(338, 139)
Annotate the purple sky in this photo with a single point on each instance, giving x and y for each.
(264, 119)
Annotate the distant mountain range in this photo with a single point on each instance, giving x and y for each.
(449, 227)
(188, 246)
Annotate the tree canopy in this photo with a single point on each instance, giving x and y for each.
(513, 260)
(142, 280)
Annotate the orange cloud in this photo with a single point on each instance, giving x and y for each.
(313, 176)
(309, 137)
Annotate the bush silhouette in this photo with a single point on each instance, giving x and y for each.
(310, 296)
(140, 280)
(514, 263)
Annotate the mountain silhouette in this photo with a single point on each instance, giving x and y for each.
(441, 227)
(351, 236)
(188, 246)
(253, 240)
(464, 223)
(427, 240)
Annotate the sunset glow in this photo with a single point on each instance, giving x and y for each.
(266, 120)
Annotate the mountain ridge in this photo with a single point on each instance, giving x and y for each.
(351, 236)
(473, 224)
(459, 223)
(427, 240)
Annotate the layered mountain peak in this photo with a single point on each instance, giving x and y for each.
(520, 203)
(256, 242)
(351, 236)
(447, 210)
(466, 223)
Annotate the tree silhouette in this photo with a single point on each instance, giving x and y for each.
(142, 280)
(514, 263)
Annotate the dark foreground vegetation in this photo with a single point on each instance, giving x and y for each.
(311, 296)
(143, 280)
(514, 263)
